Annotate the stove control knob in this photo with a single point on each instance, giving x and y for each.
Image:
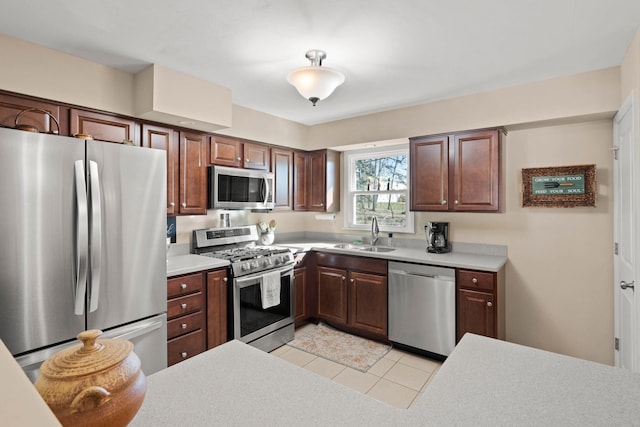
(245, 266)
(255, 264)
(266, 262)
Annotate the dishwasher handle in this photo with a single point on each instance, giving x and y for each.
(413, 273)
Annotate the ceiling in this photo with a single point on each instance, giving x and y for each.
(393, 54)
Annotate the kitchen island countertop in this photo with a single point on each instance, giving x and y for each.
(484, 382)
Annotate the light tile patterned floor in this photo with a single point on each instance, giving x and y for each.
(397, 379)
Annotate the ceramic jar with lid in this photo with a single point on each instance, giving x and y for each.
(96, 383)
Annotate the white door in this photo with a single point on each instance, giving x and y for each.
(625, 236)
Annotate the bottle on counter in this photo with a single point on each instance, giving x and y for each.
(390, 239)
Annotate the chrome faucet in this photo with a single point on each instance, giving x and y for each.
(374, 230)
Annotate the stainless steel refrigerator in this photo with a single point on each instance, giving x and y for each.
(82, 246)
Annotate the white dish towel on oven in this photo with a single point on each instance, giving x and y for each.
(270, 289)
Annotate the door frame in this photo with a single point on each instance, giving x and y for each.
(628, 107)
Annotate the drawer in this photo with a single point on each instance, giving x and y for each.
(186, 346)
(476, 280)
(185, 324)
(185, 305)
(183, 285)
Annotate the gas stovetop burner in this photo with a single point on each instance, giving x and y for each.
(238, 246)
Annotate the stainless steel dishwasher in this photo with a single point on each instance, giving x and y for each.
(422, 307)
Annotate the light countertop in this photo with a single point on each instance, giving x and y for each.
(484, 382)
(457, 259)
(183, 264)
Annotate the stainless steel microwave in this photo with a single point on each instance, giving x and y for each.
(234, 188)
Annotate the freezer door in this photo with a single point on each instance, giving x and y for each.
(127, 201)
(38, 260)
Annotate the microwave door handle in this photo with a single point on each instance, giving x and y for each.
(265, 191)
(82, 237)
(96, 235)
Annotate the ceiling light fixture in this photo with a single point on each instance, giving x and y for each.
(316, 82)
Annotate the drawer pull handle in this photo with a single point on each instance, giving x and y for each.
(183, 354)
(489, 304)
(184, 326)
(183, 286)
(184, 306)
(474, 280)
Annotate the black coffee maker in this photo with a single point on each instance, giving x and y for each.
(437, 237)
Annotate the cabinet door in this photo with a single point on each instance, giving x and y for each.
(103, 127)
(317, 185)
(332, 295)
(193, 174)
(476, 313)
(476, 180)
(300, 294)
(429, 161)
(282, 161)
(300, 182)
(257, 156)
(11, 106)
(216, 308)
(166, 139)
(368, 302)
(225, 151)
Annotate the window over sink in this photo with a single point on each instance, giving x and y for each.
(377, 184)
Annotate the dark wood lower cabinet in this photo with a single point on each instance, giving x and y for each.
(480, 303)
(216, 308)
(353, 295)
(196, 313)
(332, 295)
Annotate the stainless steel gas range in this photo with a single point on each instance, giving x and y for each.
(261, 290)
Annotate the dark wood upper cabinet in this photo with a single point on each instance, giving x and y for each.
(104, 127)
(300, 181)
(256, 156)
(282, 161)
(456, 172)
(429, 163)
(317, 181)
(166, 139)
(12, 106)
(193, 174)
(226, 151)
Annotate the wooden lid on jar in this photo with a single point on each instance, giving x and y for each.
(84, 359)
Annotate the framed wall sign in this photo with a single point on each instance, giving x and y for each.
(559, 187)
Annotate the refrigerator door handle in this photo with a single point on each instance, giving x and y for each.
(139, 331)
(95, 236)
(82, 229)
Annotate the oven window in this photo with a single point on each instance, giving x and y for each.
(253, 317)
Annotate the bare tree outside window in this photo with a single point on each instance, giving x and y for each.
(379, 187)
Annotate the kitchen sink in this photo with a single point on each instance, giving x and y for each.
(348, 246)
(378, 249)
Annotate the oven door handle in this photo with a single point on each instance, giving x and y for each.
(243, 281)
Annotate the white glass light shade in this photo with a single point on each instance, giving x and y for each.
(315, 82)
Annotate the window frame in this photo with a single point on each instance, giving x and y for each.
(350, 157)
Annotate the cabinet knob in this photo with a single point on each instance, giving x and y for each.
(183, 305)
(321, 204)
(172, 204)
(352, 280)
(183, 326)
(489, 304)
(238, 158)
(344, 278)
(224, 279)
(444, 202)
(183, 286)
(474, 280)
(184, 205)
(455, 201)
(183, 354)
